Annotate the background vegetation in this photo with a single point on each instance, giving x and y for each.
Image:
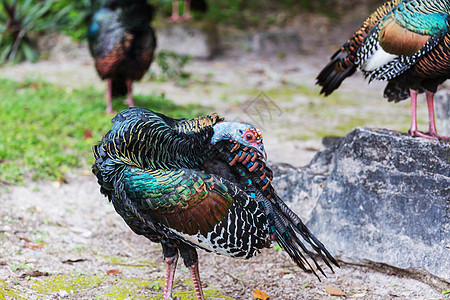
(23, 22)
(47, 130)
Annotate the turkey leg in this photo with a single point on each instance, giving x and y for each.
(432, 122)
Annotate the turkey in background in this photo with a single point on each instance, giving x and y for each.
(198, 184)
(404, 42)
(197, 5)
(122, 44)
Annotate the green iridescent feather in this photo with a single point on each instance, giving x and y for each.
(420, 18)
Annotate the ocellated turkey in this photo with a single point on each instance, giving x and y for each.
(199, 183)
(407, 43)
(122, 43)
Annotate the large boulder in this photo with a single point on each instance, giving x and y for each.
(442, 104)
(197, 39)
(378, 198)
(273, 43)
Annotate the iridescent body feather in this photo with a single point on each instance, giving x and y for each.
(197, 183)
(404, 42)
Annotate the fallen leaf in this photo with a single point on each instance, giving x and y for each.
(113, 272)
(258, 294)
(87, 134)
(34, 246)
(282, 271)
(71, 261)
(34, 273)
(333, 291)
(25, 239)
(36, 85)
(321, 293)
(359, 295)
(312, 149)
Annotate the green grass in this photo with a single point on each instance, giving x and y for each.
(336, 115)
(46, 130)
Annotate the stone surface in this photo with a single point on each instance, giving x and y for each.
(380, 198)
(442, 106)
(196, 39)
(273, 43)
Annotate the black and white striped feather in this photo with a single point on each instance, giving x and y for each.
(396, 66)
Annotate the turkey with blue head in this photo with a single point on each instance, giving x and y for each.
(198, 183)
(405, 42)
(122, 43)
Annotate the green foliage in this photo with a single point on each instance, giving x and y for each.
(46, 130)
(172, 64)
(21, 23)
(226, 11)
(79, 16)
(240, 13)
(244, 13)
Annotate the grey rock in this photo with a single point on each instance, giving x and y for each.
(378, 198)
(272, 43)
(442, 104)
(196, 39)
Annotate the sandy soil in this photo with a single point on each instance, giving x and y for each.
(72, 234)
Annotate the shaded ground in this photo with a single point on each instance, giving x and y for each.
(70, 231)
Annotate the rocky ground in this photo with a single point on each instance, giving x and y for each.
(64, 241)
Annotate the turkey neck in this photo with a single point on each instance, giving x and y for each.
(240, 165)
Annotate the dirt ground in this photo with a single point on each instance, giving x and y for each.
(64, 241)
(72, 235)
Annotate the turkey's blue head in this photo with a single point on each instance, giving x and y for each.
(241, 133)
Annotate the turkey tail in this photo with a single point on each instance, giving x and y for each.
(396, 91)
(284, 225)
(343, 62)
(340, 67)
(289, 229)
(119, 87)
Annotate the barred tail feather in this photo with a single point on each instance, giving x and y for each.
(289, 227)
(306, 234)
(332, 75)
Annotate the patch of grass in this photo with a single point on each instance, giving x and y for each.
(70, 284)
(47, 130)
(335, 115)
(114, 260)
(208, 293)
(111, 287)
(7, 292)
